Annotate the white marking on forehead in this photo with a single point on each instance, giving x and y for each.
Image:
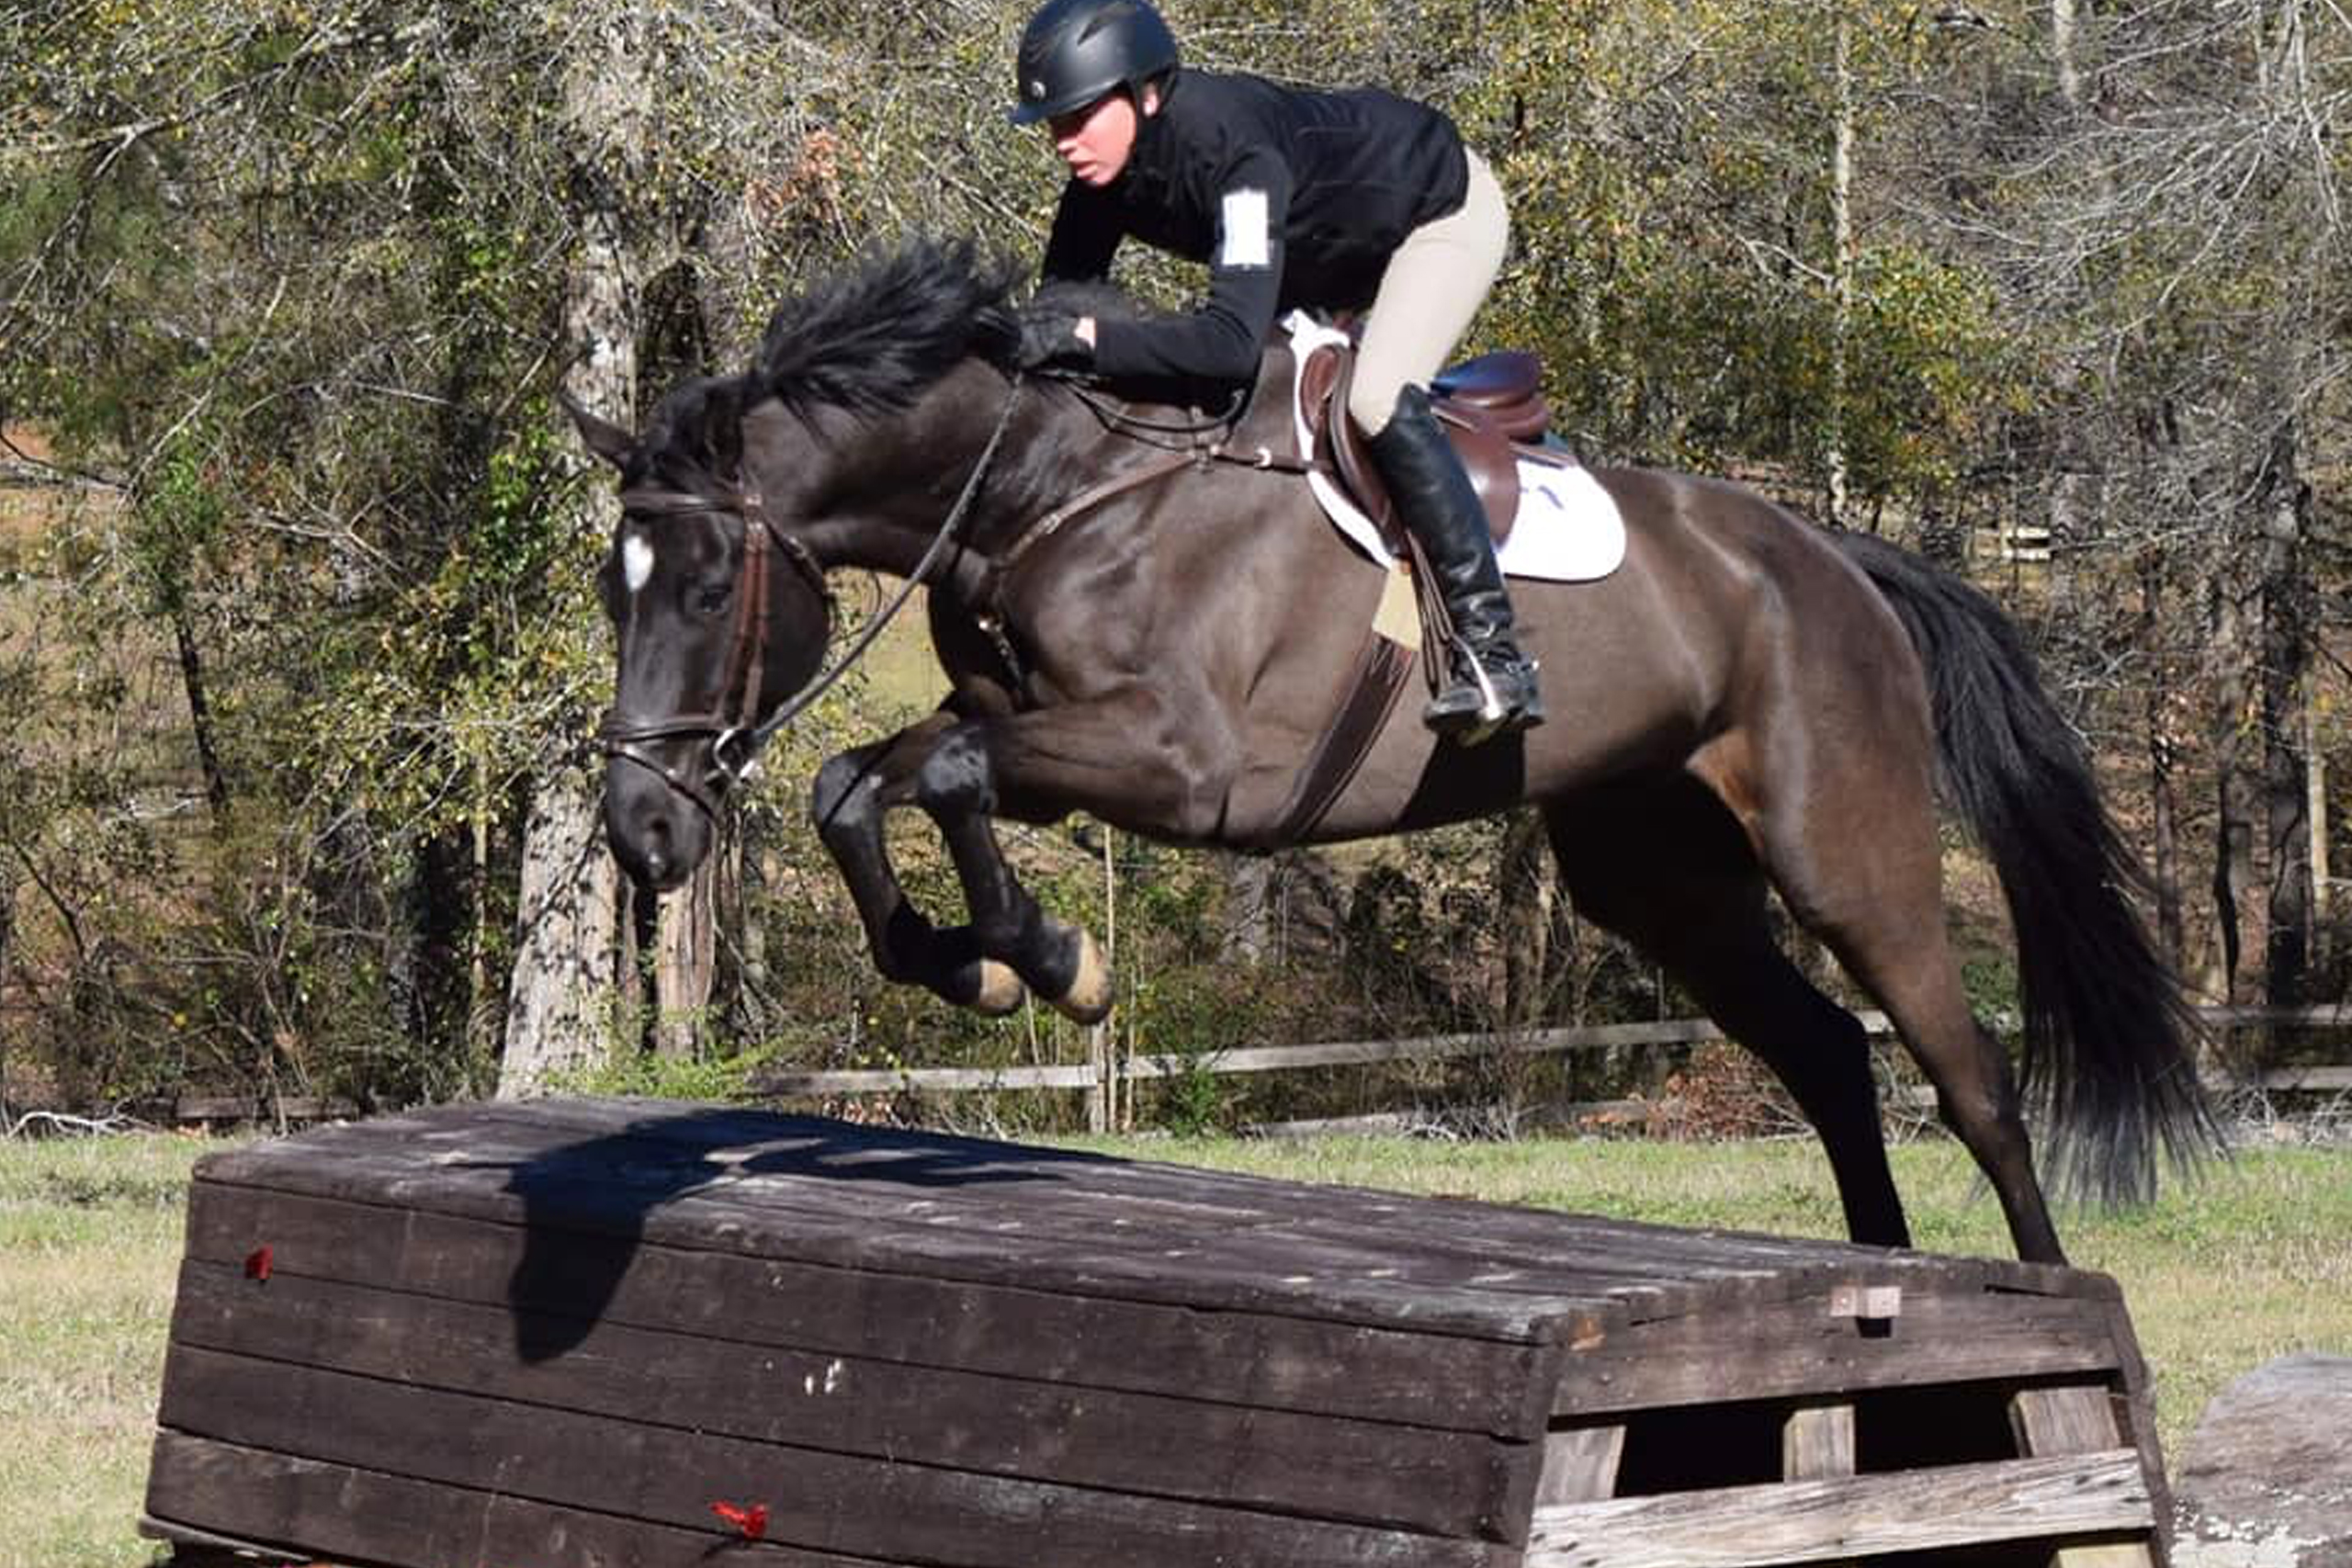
(637, 561)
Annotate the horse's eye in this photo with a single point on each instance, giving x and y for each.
(710, 600)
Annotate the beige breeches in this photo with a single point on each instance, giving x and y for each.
(1434, 284)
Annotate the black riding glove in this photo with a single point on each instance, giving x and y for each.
(1049, 341)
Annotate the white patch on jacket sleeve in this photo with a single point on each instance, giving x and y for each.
(1247, 240)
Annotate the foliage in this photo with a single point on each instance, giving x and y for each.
(282, 289)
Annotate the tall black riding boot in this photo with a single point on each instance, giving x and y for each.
(1492, 686)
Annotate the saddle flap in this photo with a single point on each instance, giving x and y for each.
(1483, 444)
(1487, 456)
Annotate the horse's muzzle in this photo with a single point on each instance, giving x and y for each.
(659, 833)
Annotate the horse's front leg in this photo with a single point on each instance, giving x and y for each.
(853, 794)
(1037, 766)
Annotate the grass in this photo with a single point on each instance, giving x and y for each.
(2221, 1277)
(90, 1236)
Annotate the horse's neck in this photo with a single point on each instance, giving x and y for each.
(989, 459)
(892, 484)
(912, 469)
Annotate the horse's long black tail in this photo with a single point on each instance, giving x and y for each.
(2109, 1062)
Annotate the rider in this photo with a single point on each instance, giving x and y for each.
(1293, 198)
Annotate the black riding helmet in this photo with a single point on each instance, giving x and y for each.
(1075, 51)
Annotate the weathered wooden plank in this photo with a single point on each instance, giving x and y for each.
(902, 1080)
(1822, 1521)
(1269, 1361)
(303, 1509)
(787, 1081)
(1527, 1234)
(1394, 1476)
(1817, 1442)
(1402, 1241)
(986, 1182)
(910, 1227)
(277, 1109)
(1797, 1348)
(1580, 1465)
(2106, 1554)
(2136, 1412)
(193, 1548)
(2071, 1419)
(1251, 1059)
(815, 1501)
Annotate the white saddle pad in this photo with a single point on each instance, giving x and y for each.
(1567, 529)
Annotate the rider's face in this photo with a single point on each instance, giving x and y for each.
(1096, 142)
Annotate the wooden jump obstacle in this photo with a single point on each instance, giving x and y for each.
(614, 1334)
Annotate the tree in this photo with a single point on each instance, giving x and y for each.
(563, 998)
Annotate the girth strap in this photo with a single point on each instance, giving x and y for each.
(1383, 669)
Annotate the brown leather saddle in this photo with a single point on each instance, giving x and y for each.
(1484, 405)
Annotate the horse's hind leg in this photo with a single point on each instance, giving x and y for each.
(1907, 963)
(1665, 866)
(1859, 865)
(852, 792)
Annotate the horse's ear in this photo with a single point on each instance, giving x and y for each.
(607, 440)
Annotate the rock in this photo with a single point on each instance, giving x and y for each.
(2266, 1480)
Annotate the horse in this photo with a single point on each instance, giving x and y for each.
(1750, 703)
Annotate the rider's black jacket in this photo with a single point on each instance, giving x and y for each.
(1293, 198)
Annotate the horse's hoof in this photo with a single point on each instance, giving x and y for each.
(1000, 992)
(1088, 1000)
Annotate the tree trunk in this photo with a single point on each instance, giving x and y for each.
(199, 714)
(2315, 798)
(1841, 263)
(685, 962)
(2234, 805)
(560, 1003)
(440, 926)
(1529, 889)
(2163, 801)
(2286, 655)
(1248, 908)
(2064, 23)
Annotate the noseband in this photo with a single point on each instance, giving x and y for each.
(732, 729)
(734, 732)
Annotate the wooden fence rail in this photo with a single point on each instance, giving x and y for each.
(1147, 1066)
(1097, 1079)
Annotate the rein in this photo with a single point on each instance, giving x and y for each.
(1119, 420)
(736, 743)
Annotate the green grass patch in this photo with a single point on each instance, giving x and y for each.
(90, 1239)
(2221, 1277)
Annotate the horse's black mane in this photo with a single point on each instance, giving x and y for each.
(873, 339)
(869, 340)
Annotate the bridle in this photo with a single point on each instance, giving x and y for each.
(726, 726)
(734, 731)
